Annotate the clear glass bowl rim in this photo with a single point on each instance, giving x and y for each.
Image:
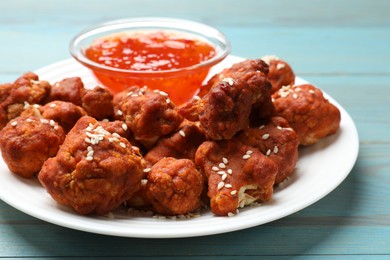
(220, 41)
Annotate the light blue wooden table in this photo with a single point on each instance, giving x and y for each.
(341, 46)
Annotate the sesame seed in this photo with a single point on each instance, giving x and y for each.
(276, 149)
(87, 140)
(90, 153)
(221, 172)
(123, 145)
(134, 95)
(249, 152)
(230, 171)
(295, 95)
(196, 97)
(233, 192)
(261, 127)
(224, 176)
(144, 182)
(26, 105)
(29, 120)
(280, 66)
(279, 127)
(119, 112)
(14, 123)
(225, 160)
(222, 165)
(230, 214)
(215, 168)
(106, 120)
(52, 123)
(89, 158)
(228, 185)
(265, 136)
(162, 93)
(89, 148)
(36, 106)
(56, 127)
(230, 81)
(146, 170)
(220, 185)
(53, 105)
(44, 121)
(246, 156)
(311, 91)
(268, 152)
(124, 126)
(168, 100)
(181, 132)
(129, 93)
(116, 135)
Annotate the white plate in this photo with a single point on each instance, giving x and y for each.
(320, 169)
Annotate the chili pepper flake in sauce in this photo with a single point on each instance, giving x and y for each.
(153, 53)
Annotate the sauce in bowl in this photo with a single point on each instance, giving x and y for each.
(171, 55)
(152, 52)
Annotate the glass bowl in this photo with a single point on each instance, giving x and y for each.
(180, 83)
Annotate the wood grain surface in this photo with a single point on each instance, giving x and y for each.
(342, 46)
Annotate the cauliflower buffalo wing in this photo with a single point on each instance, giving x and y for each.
(14, 97)
(94, 171)
(174, 186)
(237, 175)
(98, 103)
(26, 143)
(280, 73)
(307, 111)
(149, 114)
(277, 140)
(181, 144)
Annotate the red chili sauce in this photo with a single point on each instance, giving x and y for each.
(149, 55)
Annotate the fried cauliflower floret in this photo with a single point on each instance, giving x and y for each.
(148, 114)
(277, 140)
(237, 175)
(182, 144)
(69, 89)
(94, 171)
(66, 114)
(307, 111)
(26, 143)
(14, 97)
(252, 72)
(225, 109)
(280, 73)
(98, 103)
(174, 186)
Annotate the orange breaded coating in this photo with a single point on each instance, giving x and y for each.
(98, 103)
(307, 111)
(148, 114)
(253, 72)
(280, 73)
(174, 186)
(68, 89)
(26, 143)
(277, 140)
(238, 175)
(225, 110)
(182, 144)
(14, 97)
(94, 171)
(66, 114)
